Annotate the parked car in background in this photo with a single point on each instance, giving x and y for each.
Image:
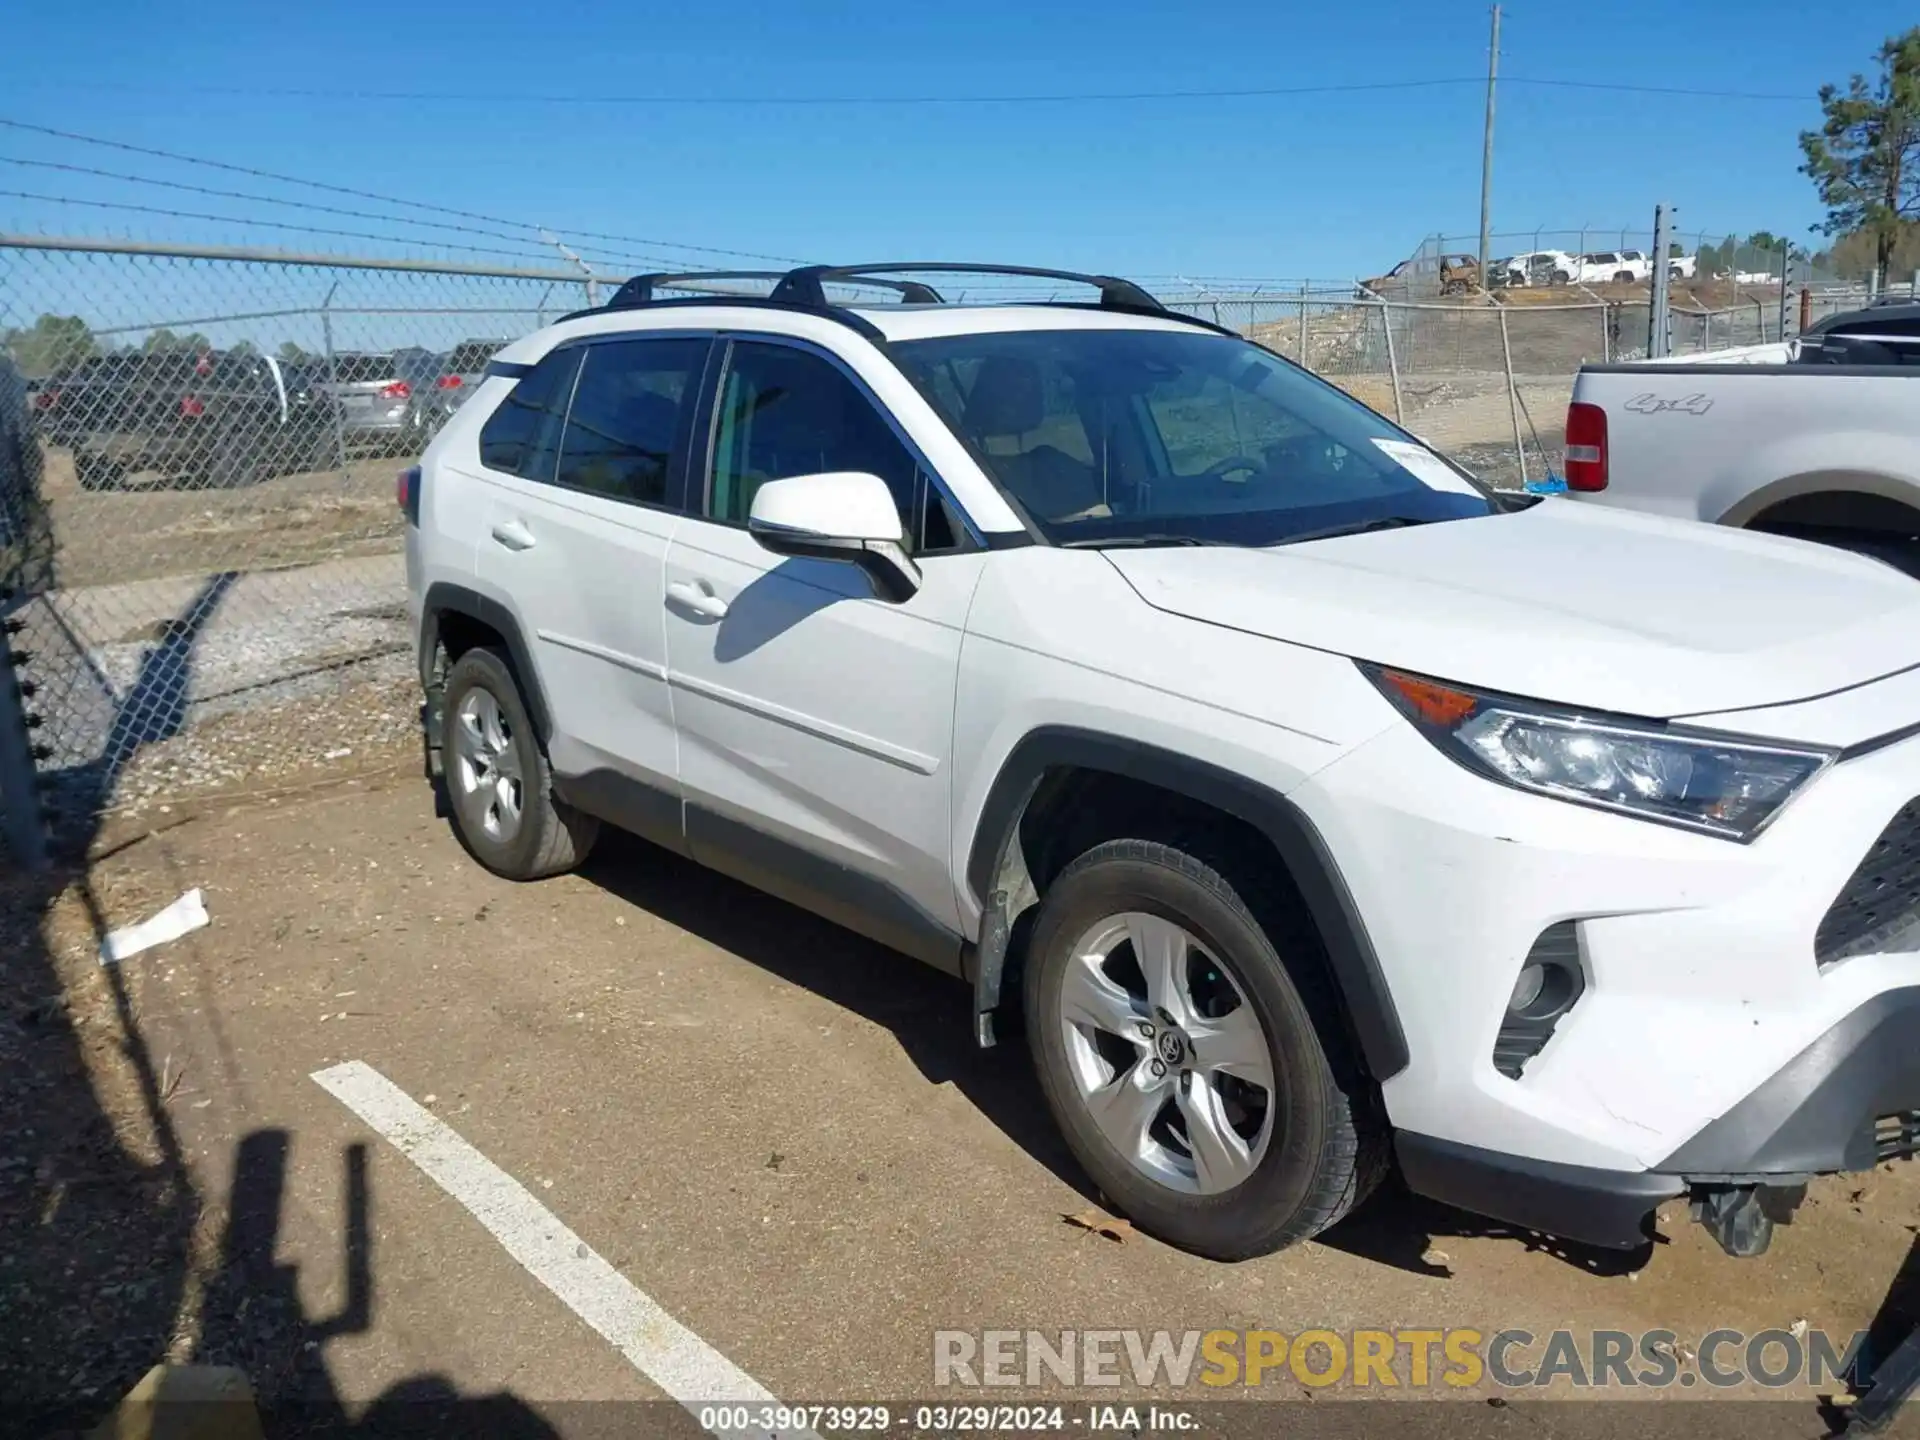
(384, 399)
(1637, 263)
(1450, 274)
(1541, 267)
(1818, 438)
(1604, 267)
(460, 373)
(1682, 267)
(208, 418)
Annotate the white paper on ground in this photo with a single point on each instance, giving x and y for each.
(1425, 466)
(187, 913)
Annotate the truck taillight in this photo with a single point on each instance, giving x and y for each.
(397, 390)
(192, 406)
(449, 382)
(46, 399)
(1586, 447)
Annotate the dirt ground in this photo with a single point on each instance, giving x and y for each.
(782, 1133)
(156, 527)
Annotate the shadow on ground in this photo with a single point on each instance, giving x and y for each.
(927, 1013)
(115, 1259)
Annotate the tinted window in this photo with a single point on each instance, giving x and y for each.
(1149, 435)
(522, 435)
(627, 409)
(787, 412)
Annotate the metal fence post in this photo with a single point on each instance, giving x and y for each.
(1606, 334)
(1303, 322)
(333, 379)
(20, 813)
(1786, 260)
(1393, 364)
(1659, 316)
(1513, 398)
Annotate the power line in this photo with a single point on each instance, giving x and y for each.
(259, 174)
(259, 199)
(605, 256)
(272, 224)
(759, 100)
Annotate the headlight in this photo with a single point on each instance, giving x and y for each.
(1715, 784)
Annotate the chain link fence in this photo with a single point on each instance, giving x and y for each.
(198, 449)
(200, 515)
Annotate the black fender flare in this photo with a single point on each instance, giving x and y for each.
(443, 597)
(1350, 952)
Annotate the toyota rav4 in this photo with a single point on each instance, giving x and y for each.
(1310, 805)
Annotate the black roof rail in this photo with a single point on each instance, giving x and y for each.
(805, 286)
(640, 289)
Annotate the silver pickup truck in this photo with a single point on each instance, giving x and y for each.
(1819, 437)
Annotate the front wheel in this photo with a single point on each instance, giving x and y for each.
(1182, 1061)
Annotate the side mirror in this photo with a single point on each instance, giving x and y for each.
(841, 515)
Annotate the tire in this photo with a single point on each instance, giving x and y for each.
(1316, 1148)
(1623, 277)
(498, 780)
(1560, 277)
(236, 460)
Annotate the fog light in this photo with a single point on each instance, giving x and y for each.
(1550, 981)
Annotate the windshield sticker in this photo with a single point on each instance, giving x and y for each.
(1425, 466)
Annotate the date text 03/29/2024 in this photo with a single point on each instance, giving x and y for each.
(946, 1419)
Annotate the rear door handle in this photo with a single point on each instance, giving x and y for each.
(513, 535)
(696, 599)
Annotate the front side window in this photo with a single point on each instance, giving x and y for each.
(522, 436)
(1151, 436)
(785, 412)
(626, 417)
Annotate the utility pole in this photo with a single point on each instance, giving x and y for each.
(1486, 156)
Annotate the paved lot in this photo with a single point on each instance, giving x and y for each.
(779, 1133)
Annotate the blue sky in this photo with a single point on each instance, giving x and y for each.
(1325, 185)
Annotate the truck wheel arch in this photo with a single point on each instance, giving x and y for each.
(1835, 499)
(994, 861)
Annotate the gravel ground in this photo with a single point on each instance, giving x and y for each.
(782, 1132)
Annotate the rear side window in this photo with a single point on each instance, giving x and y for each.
(522, 436)
(628, 408)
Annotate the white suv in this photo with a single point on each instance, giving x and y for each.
(1311, 804)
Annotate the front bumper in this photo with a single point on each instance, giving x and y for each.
(1848, 1101)
(1721, 1037)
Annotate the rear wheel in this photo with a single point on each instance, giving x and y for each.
(1623, 277)
(504, 809)
(1181, 1057)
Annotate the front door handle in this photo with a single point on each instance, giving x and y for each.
(697, 599)
(514, 535)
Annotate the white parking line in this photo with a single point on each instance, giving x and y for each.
(653, 1342)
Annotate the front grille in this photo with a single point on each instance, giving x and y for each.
(1897, 1136)
(1881, 899)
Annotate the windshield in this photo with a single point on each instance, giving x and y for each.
(1164, 436)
